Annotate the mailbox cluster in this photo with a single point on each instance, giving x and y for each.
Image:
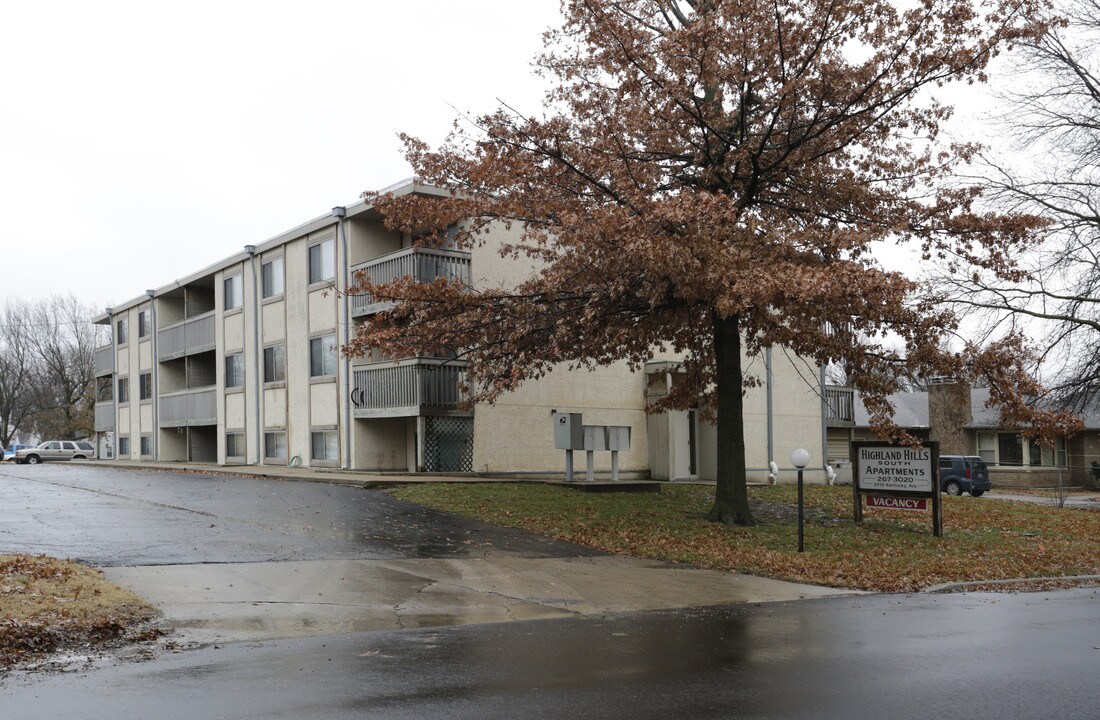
(570, 433)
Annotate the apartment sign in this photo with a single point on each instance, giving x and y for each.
(900, 469)
(898, 477)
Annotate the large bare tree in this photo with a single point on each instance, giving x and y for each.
(707, 177)
(16, 370)
(61, 343)
(1053, 115)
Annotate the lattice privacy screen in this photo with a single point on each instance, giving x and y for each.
(449, 444)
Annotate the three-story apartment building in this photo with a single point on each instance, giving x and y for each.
(240, 363)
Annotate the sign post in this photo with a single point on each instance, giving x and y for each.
(897, 476)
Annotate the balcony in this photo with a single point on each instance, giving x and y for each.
(840, 406)
(408, 388)
(105, 417)
(188, 337)
(189, 407)
(422, 264)
(104, 359)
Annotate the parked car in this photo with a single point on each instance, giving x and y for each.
(55, 450)
(9, 454)
(964, 473)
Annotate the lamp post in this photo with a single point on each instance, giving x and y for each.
(800, 458)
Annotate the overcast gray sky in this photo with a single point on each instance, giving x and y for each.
(140, 141)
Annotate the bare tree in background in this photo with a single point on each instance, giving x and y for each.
(1054, 117)
(61, 343)
(15, 370)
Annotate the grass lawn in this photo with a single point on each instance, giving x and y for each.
(894, 550)
(48, 605)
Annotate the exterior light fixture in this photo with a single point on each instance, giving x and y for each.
(800, 458)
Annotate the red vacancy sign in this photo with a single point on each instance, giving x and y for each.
(897, 503)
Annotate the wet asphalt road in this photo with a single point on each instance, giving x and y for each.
(119, 517)
(975, 656)
(968, 656)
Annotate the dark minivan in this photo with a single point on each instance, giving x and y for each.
(964, 473)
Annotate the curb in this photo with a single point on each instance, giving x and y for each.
(962, 586)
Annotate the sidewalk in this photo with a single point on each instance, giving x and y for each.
(358, 478)
(263, 601)
(256, 601)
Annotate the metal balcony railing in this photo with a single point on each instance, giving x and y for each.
(188, 337)
(422, 264)
(189, 407)
(407, 388)
(840, 406)
(104, 359)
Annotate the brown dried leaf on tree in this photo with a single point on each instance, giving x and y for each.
(706, 177)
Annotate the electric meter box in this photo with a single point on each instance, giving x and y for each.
(595, 437)
(568, 431)
(618, 437)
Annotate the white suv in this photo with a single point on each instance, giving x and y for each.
(55, 450)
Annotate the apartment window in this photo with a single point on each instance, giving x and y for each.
(322, 356)
(275, 446)
(234, 370)
(1010, 449)
(272, 272)
(123, 331)
(145, 391)
(325, 445)
(103, 388)
(275, 363)
(234, 292)
(123, 390)
(322, 261)
(234, 445)
(1042, 456)
(144, 327)
(123, 446)
(987, 447)
(146, 445)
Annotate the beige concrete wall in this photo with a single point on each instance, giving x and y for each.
(275, 412)
(323, 405)
(172, 445)
(146, 422)
(322, 310)
(145, 354)
(367, 239)
(516, 433)
(233, 329)
(274, 321)
(382, 444)
(234, 416)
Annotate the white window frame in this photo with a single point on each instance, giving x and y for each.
(239, 444)
(276, 362)
(277, 286)
(322, 359)
(275, 446)
(329, 445)
(322, 261)
(234, 359)
(234, 291)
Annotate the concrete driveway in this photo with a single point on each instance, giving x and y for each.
(230, 558)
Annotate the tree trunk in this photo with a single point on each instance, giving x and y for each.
(731, 495)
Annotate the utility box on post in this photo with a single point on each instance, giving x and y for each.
(568, 431)
(618, 437)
